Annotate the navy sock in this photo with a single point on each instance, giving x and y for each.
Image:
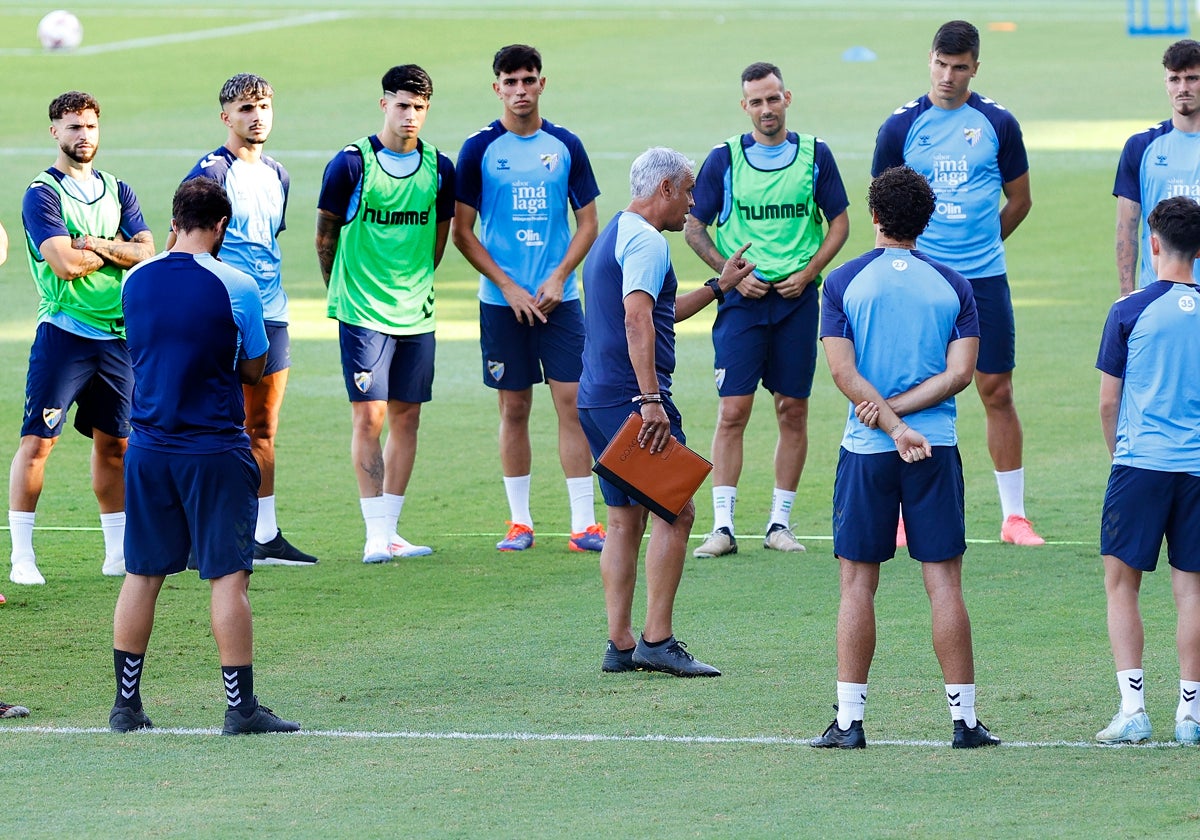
(239, 687)
(657, 644)
(128, 669)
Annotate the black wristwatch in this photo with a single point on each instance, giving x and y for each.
(715, 284)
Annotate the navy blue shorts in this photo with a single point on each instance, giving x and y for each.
(517, 356)
(1141, 507)
(178, 504)
(869, 490)
(377, 366)
(64, 368)
(997, 329)
(279, 348)
(602, 424)
(772, 340)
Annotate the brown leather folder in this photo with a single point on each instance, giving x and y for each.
(664, 483)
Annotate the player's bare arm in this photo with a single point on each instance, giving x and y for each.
(639, 333)
(549, 293)
(523, 305)
(119, 251)
(734, 272)
(439, 242)
(1129, 215)
(66, 261)
(250, 371)
(839, 352)
(961, 355)
(839, 231)
(1110, 405)
(1017, 204)
(3, 245)
(695, 233)
(329, 227)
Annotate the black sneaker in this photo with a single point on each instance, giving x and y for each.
(670, 658)
(280, 552)
(617, 661)
(968, 738)
(125, 719)
(261, 720)
(842, 739)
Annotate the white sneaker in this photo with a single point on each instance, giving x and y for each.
(113, 566)
(1126, 729)
(401, 547)
(25, 571)
(780, 538)
(377, 551)
(717, 544)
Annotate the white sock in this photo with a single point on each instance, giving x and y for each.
(852, 703)
(1012, 492)
(724, 500)
(113, 526)
(517, 488)
(20, 525)
(375, 515)
(393, 504)
(961, 698)
(1133, 695)
(1189, 701)
(781, 508)
(583, 506)
(266, 526)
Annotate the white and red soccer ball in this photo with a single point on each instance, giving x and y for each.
(60, 30)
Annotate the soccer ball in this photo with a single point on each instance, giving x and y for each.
(60, 30)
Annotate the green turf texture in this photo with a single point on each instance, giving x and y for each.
(470, 641)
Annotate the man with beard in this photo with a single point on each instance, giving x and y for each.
(1158, 163)
(257, 186)
(84, 229)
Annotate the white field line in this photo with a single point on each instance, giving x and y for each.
(813, 538)
(566, 737)
(187, 37)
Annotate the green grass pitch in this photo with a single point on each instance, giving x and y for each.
(473, 678)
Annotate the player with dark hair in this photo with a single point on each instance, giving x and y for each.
(83, 229)
(900, 334)
(519, 176)
(970, 149)
(257, 186)
(628, 361)
(383, 217)
(191, 480)
(1149, 395)
(1157, 163)
(775, 188)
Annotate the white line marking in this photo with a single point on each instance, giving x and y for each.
(491, 534)
(586, 738)
(187, 37)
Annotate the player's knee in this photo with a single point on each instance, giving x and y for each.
(733, 416)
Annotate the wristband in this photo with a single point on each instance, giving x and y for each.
(647, 398)
(715, 284)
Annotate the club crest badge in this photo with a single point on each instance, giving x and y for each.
(719, 376)
(495, 370)
(972, 136)
(550, 161)
(363, 380)
(52, 417)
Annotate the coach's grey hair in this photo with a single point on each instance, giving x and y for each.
(653, 165)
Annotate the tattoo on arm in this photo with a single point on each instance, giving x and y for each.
(328, 229)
